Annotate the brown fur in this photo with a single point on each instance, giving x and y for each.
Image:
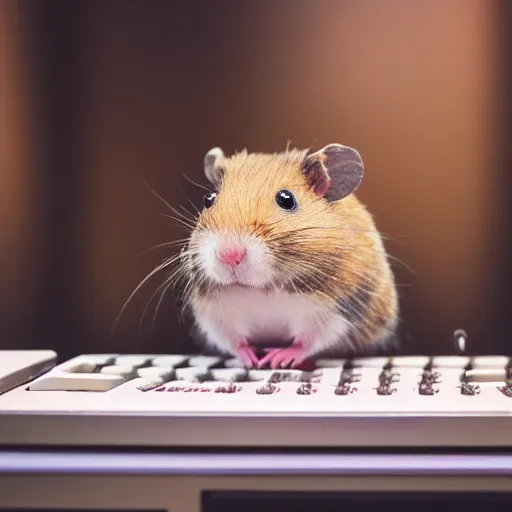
(330, 250)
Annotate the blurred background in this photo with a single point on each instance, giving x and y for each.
(99, 97)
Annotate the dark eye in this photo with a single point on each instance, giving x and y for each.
(209, 199)
(286, 200)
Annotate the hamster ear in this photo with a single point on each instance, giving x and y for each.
(212, 169)
(334, 172)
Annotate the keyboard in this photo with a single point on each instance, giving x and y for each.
(208, 401)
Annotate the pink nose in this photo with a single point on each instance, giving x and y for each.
(231, 255)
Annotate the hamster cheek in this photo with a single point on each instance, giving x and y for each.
(256, 269)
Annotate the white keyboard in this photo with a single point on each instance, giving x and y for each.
(180, 400)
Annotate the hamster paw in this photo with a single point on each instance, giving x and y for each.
(284, 357)
(247, 355)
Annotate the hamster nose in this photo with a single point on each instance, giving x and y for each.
(231, 255)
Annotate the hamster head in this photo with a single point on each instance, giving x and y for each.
(269, 221)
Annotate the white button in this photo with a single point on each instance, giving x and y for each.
(155, 372)
(483, 362)
(259, 375)
(233, 363)
(191, 374)
(134, 361)
(450, 361)
(123, 371)
(77, 382)
(84, 367)
(371, 362)
(489, 375)
(169, 361)
(204, 361)
(87, 361)
(229, 374)
(410, 362)
(99, 358)
(330, 363)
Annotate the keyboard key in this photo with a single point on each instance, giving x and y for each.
(132, 360)
(234, 362)
(450, 361)
(124, 371)
(486, 375)
(76, 382)
(371, 362)
(169, 361)
(192, 374)
(410, 362)
(204, 361)
(258, 375)
(156, 372)
(229, 374)
(99, 359)
(484, 362)
(330, 363)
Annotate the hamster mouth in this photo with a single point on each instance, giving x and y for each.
(242, 277)
(245, 286)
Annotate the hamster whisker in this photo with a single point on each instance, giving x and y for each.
(188, 220)
(185, 223)
(315, 274)
(190, 180)
(195, 208)
(338, 229)
(159, 303)
(316, 271)
(171, 280)
(190, 215)
(362, 248)
(302, 264)
(148, 304)
(179, 242)
(158, 196)
(157, 269)
(307, 287)
(177, 258)
(192, 219)
(392, 259)
(342, 247)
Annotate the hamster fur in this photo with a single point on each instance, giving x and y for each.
(283, 251)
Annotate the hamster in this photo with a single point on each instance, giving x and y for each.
(283, 251)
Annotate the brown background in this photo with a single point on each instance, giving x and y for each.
(98, 97)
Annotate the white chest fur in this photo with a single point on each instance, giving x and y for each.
(268, 317)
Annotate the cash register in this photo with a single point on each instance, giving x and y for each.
(201, 433)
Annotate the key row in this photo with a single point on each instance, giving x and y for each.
(102, 373)
(95, 363)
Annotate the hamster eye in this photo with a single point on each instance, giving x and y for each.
(286, 200)
(209, 199)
